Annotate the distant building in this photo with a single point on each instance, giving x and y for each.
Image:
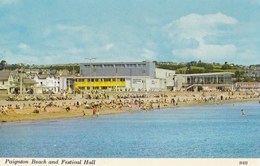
(126, 76)
(141, 76)
(167, 78)
(252, 71)
(116, 75)
(47, 83)
(247, 86)
(124, 69)
(6, 81)
(204, 81)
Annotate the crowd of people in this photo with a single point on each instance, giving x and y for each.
(97, 101)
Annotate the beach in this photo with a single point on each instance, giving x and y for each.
(99, 104)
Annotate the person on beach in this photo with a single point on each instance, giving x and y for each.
(172, 101)
(94, 111)
(83, 112)
(159, 106)
(36, 110)
(77, 105)
(4, 110)
(68, 108)
(151, 104)
(97, 113)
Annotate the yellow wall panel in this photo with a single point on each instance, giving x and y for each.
(99, 84)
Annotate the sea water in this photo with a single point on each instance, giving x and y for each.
(209, 131)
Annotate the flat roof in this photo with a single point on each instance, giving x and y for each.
(143, 62)
(206, 74)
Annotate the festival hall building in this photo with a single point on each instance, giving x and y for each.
(142, 76)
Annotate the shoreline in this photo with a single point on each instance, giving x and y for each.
(59, 112)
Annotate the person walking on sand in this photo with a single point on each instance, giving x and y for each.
(94, 111)
(83, 112)
(173, 101)
(97, 113)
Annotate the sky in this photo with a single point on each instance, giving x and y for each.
(70, 31)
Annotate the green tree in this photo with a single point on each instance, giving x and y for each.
(226, 66)
(3, 64)
(239, 74)
(208, 67)
(248, 79)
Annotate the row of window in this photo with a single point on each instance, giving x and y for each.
(115, 65)
(50, 82)
(100, 80)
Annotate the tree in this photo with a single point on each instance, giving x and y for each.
(208, 67)
(226, 66)
(248, 79)
(239, 74)
(3, 64)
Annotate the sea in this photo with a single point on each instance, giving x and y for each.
(207, 131)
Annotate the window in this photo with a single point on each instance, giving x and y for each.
(131, 65)
(141, 65)
(120, 65)
(97, 66)
(108, 65)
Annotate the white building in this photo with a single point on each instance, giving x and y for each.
(247, 86)
(167, 78)
(204, 81)
(5, 81)
(47, 83)
(158, 79)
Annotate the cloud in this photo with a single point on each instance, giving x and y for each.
(188, 35)
(23, 46)
(208, 52)
(12, 57)
(75, 28)
(8, 2)
(109, 46)
(255, 1)
(75, 51)
(198, 26)
(148, 54)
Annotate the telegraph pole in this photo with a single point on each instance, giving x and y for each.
(116, 79)
(21, 81)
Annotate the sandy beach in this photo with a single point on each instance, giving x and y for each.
(116, 103)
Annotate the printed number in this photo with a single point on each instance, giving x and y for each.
(243, 162)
